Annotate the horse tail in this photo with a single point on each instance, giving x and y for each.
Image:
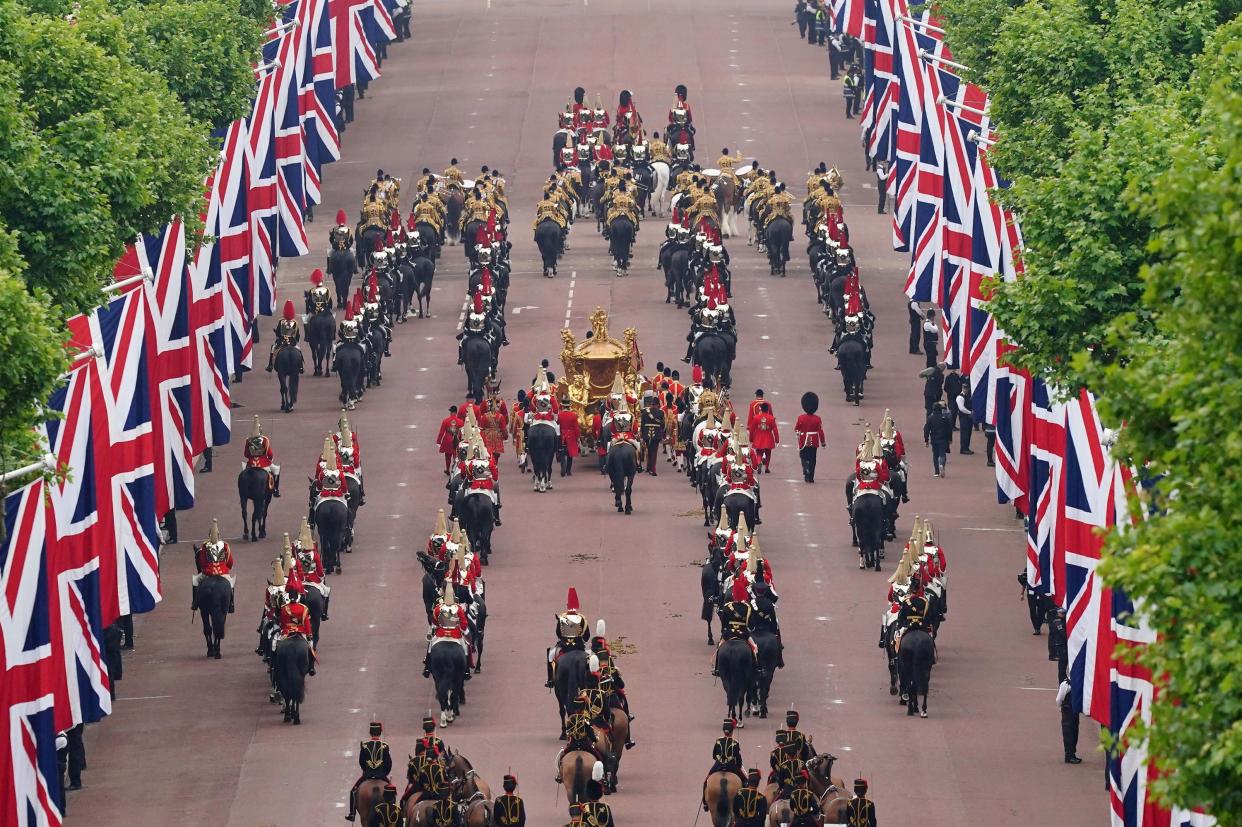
(578, 792)
(723, 805)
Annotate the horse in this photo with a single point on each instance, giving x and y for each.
(331, 521)
(471, 791)
(293, 662)
(370, 794)
(447, 662)
(366, 244)
(778, 234)
(422, 273)
(677, 276)
(867, 519)
(916, 654)
(736, 666)
(254, 489)
(718, 793)
(477, 514)
(452, 214)
(341, 266)
(428, 239)
(769, 647)
(644, 177)
(320, 333)
(852, 359)
(620, 243)
(736, 503)
(350, 365)
(548, 240)
(571, 675)
(622, 467)
(576, 766)
(659, 187)
(477, 614)
(377, 347)
(709, 584)
(725, 189)
(288, 370)
(541, 445)
(214, 596)
(831, 791)
(711, 352)
(315, 604)
(477, 354)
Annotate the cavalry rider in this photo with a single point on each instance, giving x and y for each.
(739, 464)
(726, 757)
(388, 812)
(258, 453)
(214, 559)
(295, 617)
(580, 736)
(870, 470)
(551, 208)
(854, 323)
(450, 622)
(329, 479)
(623, 204)
(375, 761)
(481, 475)
(860, 811)
(318, 298)
(476, 325)
(428, 751)
(341, 237)
(571, 632)
(736, 622)
(309, 565)
(914, 606)
(803, 804)
(454, 174)
(288, 333)
(628, 119)
(680, 117)
(581, 113)
(347, 331)
(750, 805)
(595, 813)
(346, 441)
(779, 205)
(765, 598)
(797, 745)
(437, 788)
(427, 211)
(508, 810)
(657, 149)
(893, 449)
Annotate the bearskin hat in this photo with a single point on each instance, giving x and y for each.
(810, 402)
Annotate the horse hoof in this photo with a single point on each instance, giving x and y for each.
(288, 717)
(629, 510)
(620, 510)
(892, 690)
(741, 724)
(297, 720)
(444, 719)
(909, 712)
(217, 655)
(763, 713)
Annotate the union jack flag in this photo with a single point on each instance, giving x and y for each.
(377, 22)
(289, 140)
(355, 59)
(1012, 396)
(1045, 538)
(847, 16)
(883, 85)
(30, 778)
(230, 256)
(919, 144)
(317, 101)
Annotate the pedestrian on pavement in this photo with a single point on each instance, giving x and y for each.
(112, 655)
(938, 433)
(764, 435)
(931, 337)
(347, 103)
(810, 431)
(868, 161)
(965, 420)
(881, 184)
(206, 469)
(989, 435)
(952, 388)
(933, 385)
(1069, 722)
(916, 328)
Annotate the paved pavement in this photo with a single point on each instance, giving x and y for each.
(194, 741)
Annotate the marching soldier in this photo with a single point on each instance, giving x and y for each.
(214, 559)
(375, 761)
(258, 453)
(288, 334)
(860, 812)
(726, 757)
(508, 810)
(810, 431)
(750, 806)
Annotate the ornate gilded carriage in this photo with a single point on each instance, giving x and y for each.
(593, 367)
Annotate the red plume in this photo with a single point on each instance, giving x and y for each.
(293, 582)
(571, 602)
(340, 217)
(349, 312)
(394, 219)
(739, 589)
(373, 282)
(410, 223)
(851, 282)
(486, 284)
(389, 241)
(379, 245)
(289, 311)
(853, 305)
(491, 223)
(317, 277)
(711, 301)
(478, 302)
(696, 374)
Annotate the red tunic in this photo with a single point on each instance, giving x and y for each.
(494, 426)
(450, 429)
(763, 432)
(210, 568)
(295, 620)
(353, 445)
(457, 632)
(570, 431)
(265, 459)
(341, 490)
(312, 573)
(810, 431)
(597, 431)
(871, 485)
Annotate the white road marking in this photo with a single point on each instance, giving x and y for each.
(1005, 530)
(145, 698)
(1036, 689)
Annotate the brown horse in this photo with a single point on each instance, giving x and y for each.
(720, 790)
(576, 768)
(470, 789)
(619, 735)
(370, 793)
(727, 191)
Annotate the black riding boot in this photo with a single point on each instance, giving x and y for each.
(780, 651)
(326, 601)
(276, 485)
(194, 598)
(353, 804)
(230, 600)
(551, 681)
(426, 665)
(498, 514)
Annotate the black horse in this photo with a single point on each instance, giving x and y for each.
(350, 366)
(447, 662)
(320, 332)
(736, 504)
(422, 273)
(620, 243)
(293, 663)
(477, 514)
(366, 244)
(736, 666)
(712, 353)
(477, 354)
(289, 371)
(709, 584)
(541, 445)
(915, 659)
(331, 521)
(253, 491)
(677, 276)
(622, 467)
(214, 596)
(769, 647)
(571, 675)
(548, 240)
(316, 606)
(852, 359)
(867, 520)
(778, 234)
(342, 266)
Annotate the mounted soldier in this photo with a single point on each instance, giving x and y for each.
(894, 452)
(860, 811)
(571, 633)
(318, 298)
(681, 119)
(341, 237)
(375, 761)
(429, 750)
(726, 757)
(737, 621)
(288, 334)
(345, 439)
(257, 453)
(214, 559)
(449, 623)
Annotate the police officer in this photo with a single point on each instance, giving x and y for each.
(849, 88)
(1058, 644)
(1069, 722)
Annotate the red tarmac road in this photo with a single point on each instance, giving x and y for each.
(194, 742)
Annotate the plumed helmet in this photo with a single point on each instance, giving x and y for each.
(289, 313)
(810, 402)
(340, 217)
(317, 277)
(739, 589)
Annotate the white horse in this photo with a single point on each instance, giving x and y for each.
(659, 187)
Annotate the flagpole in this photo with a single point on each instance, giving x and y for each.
(118, 286)
(921, 23)
(926, 55)
(48, 463)
(943, 101)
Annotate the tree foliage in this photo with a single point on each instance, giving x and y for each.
(1121, 131)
